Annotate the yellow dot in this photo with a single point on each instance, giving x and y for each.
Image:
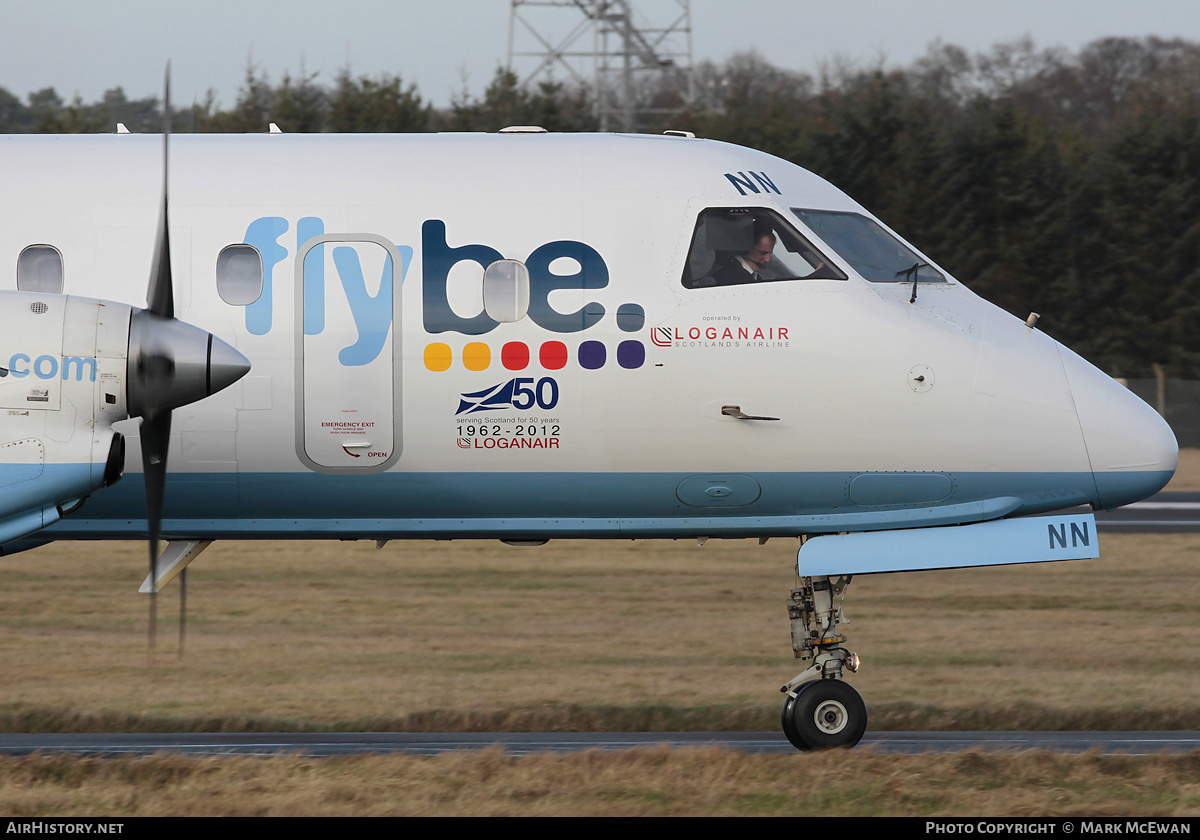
(477, 356)
(438, 357)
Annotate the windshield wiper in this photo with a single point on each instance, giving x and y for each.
(913, 272)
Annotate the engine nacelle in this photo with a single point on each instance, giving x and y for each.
(62, 386)
(70, 367)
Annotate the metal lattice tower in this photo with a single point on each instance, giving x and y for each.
(633, 67)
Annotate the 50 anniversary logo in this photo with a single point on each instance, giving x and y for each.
(519, 393)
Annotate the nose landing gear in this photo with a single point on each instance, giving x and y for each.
(821, 710)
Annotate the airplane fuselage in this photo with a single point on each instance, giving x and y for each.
(389, 397)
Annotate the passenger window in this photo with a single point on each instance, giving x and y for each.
(239, 274)
(733, 246)
(506, 291)
(40, 269)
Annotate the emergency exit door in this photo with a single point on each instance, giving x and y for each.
(348, 352)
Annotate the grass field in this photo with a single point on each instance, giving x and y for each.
(650, 782)
(586, 635)
(652, 635)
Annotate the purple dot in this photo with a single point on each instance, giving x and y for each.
(592, 355)
(631, 354)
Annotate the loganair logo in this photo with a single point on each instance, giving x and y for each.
(724, 335)
(521, 393)
(50, 367)
(576, 266)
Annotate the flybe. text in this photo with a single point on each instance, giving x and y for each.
(373, 314)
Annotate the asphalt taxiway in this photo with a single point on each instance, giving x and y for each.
(330, 744)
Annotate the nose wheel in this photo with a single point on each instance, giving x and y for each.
(821, 710)
(824, 714)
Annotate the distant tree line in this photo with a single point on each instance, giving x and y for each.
(301, 104)
(1050, 181)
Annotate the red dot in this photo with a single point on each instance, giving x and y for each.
(553, 355)
(515, 355)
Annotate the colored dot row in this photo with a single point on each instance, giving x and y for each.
(551, 355)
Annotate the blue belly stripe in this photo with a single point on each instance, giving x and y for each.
(396, 505)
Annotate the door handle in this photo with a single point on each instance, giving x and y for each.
(736, 411)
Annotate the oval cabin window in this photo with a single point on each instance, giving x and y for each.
(40, 269)
(239, 274)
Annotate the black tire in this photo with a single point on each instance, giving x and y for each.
(825, 715)
(786, 718)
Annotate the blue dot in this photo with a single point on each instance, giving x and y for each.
(631, 354)
(630, 317)
(592, 355)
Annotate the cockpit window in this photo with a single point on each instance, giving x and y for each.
(737, 245)
(874, 253)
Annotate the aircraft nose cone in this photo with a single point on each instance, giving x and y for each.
(1133, 451)
(225, 365)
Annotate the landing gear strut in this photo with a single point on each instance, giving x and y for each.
(821, 710)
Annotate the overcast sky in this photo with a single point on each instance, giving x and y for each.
(87, 46)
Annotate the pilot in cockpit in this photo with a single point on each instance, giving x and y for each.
(750, 266)
(732, 247)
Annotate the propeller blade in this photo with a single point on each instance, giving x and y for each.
(156, 438)
(152, 626)
(156, 425)
(159, 296)
(182, 609)
(170, 364)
